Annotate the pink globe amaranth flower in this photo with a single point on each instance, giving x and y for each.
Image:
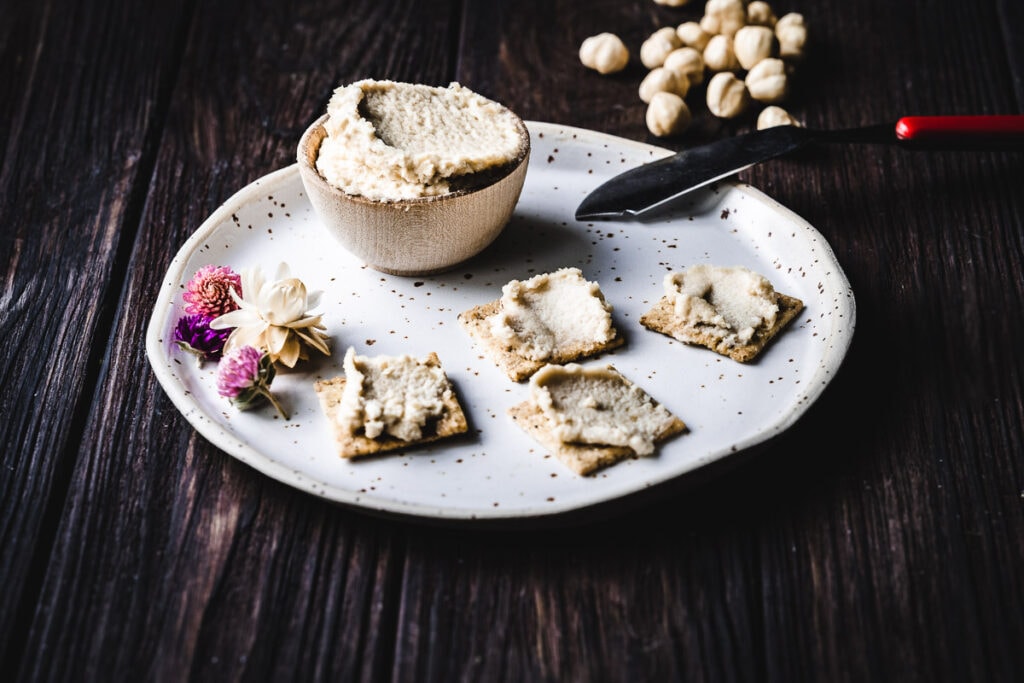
(244, 376)
(209, 291)
(238, 371)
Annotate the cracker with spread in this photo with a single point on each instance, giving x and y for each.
(590, 418)
(386, 403)
(554, 317)
(731, 310)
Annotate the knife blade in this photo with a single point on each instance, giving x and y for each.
(653, 185)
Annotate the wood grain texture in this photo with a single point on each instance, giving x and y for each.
(880, 539)
(72, 181)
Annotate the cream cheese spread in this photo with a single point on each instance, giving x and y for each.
(729, 303)
(392, 141)
(551, 312)
(598, 406)
(393, 395)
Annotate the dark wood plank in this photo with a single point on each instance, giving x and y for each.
(612, 602)
(78, 110)
(171, 559)
(1011, 17)
(914, 551)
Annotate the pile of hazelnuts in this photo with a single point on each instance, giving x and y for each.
(745, 52)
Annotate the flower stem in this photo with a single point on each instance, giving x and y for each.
(273, 401)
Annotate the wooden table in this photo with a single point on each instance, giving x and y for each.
(882, 538)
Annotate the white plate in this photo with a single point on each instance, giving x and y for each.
(499, 472)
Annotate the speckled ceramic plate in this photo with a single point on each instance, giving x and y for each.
(497, 472)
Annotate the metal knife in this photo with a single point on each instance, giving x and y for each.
(655, 184)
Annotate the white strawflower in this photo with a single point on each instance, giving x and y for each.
(273, 315)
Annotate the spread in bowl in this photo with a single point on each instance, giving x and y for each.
(390, 141)
(414, 179)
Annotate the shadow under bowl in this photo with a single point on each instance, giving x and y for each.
(417, 236)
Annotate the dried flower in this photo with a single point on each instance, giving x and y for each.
(193, 334)
(210, 291)
(244, 376)
(273, 316)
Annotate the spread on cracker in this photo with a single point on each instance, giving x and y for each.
(730, 310)
(592, 417)
(384, 403)
(554, 317)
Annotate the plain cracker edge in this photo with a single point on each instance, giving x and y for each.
(581, 459)
(515, 366)
(661, 318)
(452, 421)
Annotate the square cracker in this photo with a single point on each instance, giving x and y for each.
(451, 422)
(518, 367)
(662, 319)
(581, 458)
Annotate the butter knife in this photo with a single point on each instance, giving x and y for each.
(651, 186)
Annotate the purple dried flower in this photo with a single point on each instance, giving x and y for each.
(244, 375)
(210, 290)
(193, 334)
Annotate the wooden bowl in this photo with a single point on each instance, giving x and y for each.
(416, 236)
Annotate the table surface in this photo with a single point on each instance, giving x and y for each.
(881, 538)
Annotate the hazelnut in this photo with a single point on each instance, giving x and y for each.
(724, 17)
(752, 44)
(667, 114)
(605, 53)
(773, 116)
(692, 35)
(657, 46)
(719, 54)
(663, 80)
(791, 32)
(767, 81)
(687, 63)
(727, 96)
(760, 14)
(791, 19)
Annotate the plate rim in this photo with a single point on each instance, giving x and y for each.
(830, 363)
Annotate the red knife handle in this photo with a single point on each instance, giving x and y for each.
(964, 132)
